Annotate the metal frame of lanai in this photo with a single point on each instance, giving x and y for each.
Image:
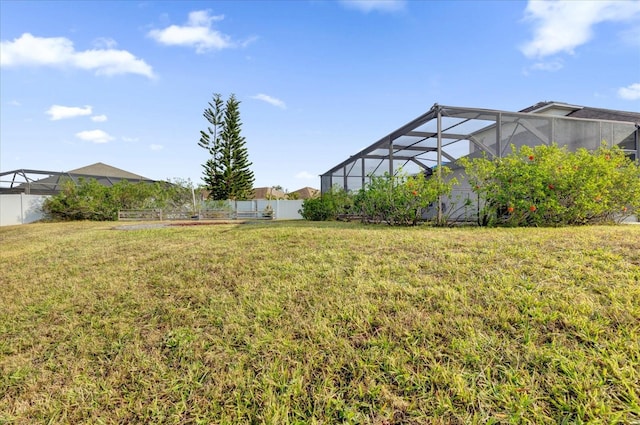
(444, 134)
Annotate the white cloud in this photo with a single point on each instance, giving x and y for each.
(305, 175)
(99, 118)
(553, 65)
(202, 18)
(631, 92)
(374, 5)
(271, 100)
(112, 62)
(155, 147)
(94, 136)
(57, 112)
(196, 33)
(29, 50)
(561, 26)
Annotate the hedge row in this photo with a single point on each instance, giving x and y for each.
(532, 186)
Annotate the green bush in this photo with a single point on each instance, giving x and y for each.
(316, 209)
(327, 206)
(401, 199)
(89, 200)
(396, 200)
(550, 186)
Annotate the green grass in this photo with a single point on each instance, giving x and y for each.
(298, 322)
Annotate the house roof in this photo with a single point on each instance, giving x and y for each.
(102, 169)
(271, 193)
(306, 192)
(588, 112)
(267, 193)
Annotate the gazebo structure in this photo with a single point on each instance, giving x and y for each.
(444, 134)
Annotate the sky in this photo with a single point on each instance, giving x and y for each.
(126, 82)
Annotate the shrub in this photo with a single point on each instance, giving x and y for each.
(89, 200)
(550, 186)
(327, 206)
(316, 209)
(396, 200)
(401, 199)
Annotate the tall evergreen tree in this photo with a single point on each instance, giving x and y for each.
(227, 172)
(210, 140)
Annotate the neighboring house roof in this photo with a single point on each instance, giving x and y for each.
(267, 193)
(307, 192)
(564, 109)
(271, 193)
(102, 169)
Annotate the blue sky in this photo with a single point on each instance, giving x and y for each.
(126, 82)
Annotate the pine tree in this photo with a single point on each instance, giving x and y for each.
(210, 140)
(227, 172)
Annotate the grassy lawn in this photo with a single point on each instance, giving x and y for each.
(298, 322)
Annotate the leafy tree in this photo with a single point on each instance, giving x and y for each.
(227, 173)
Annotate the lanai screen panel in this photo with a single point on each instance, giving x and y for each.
(518, 130)
(627, 137)
(577, 134)
(590, 134)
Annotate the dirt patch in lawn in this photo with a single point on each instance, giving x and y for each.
(141, 226)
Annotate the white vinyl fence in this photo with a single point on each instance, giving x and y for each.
(282, 209)
(20, 209)
(23, 209)
(222, 210)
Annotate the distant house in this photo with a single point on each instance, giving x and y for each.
(40, 182)
(271, 193)
(268, 193)
(306, 193)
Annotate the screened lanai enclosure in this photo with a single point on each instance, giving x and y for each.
(40, 182)
(444, 134)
